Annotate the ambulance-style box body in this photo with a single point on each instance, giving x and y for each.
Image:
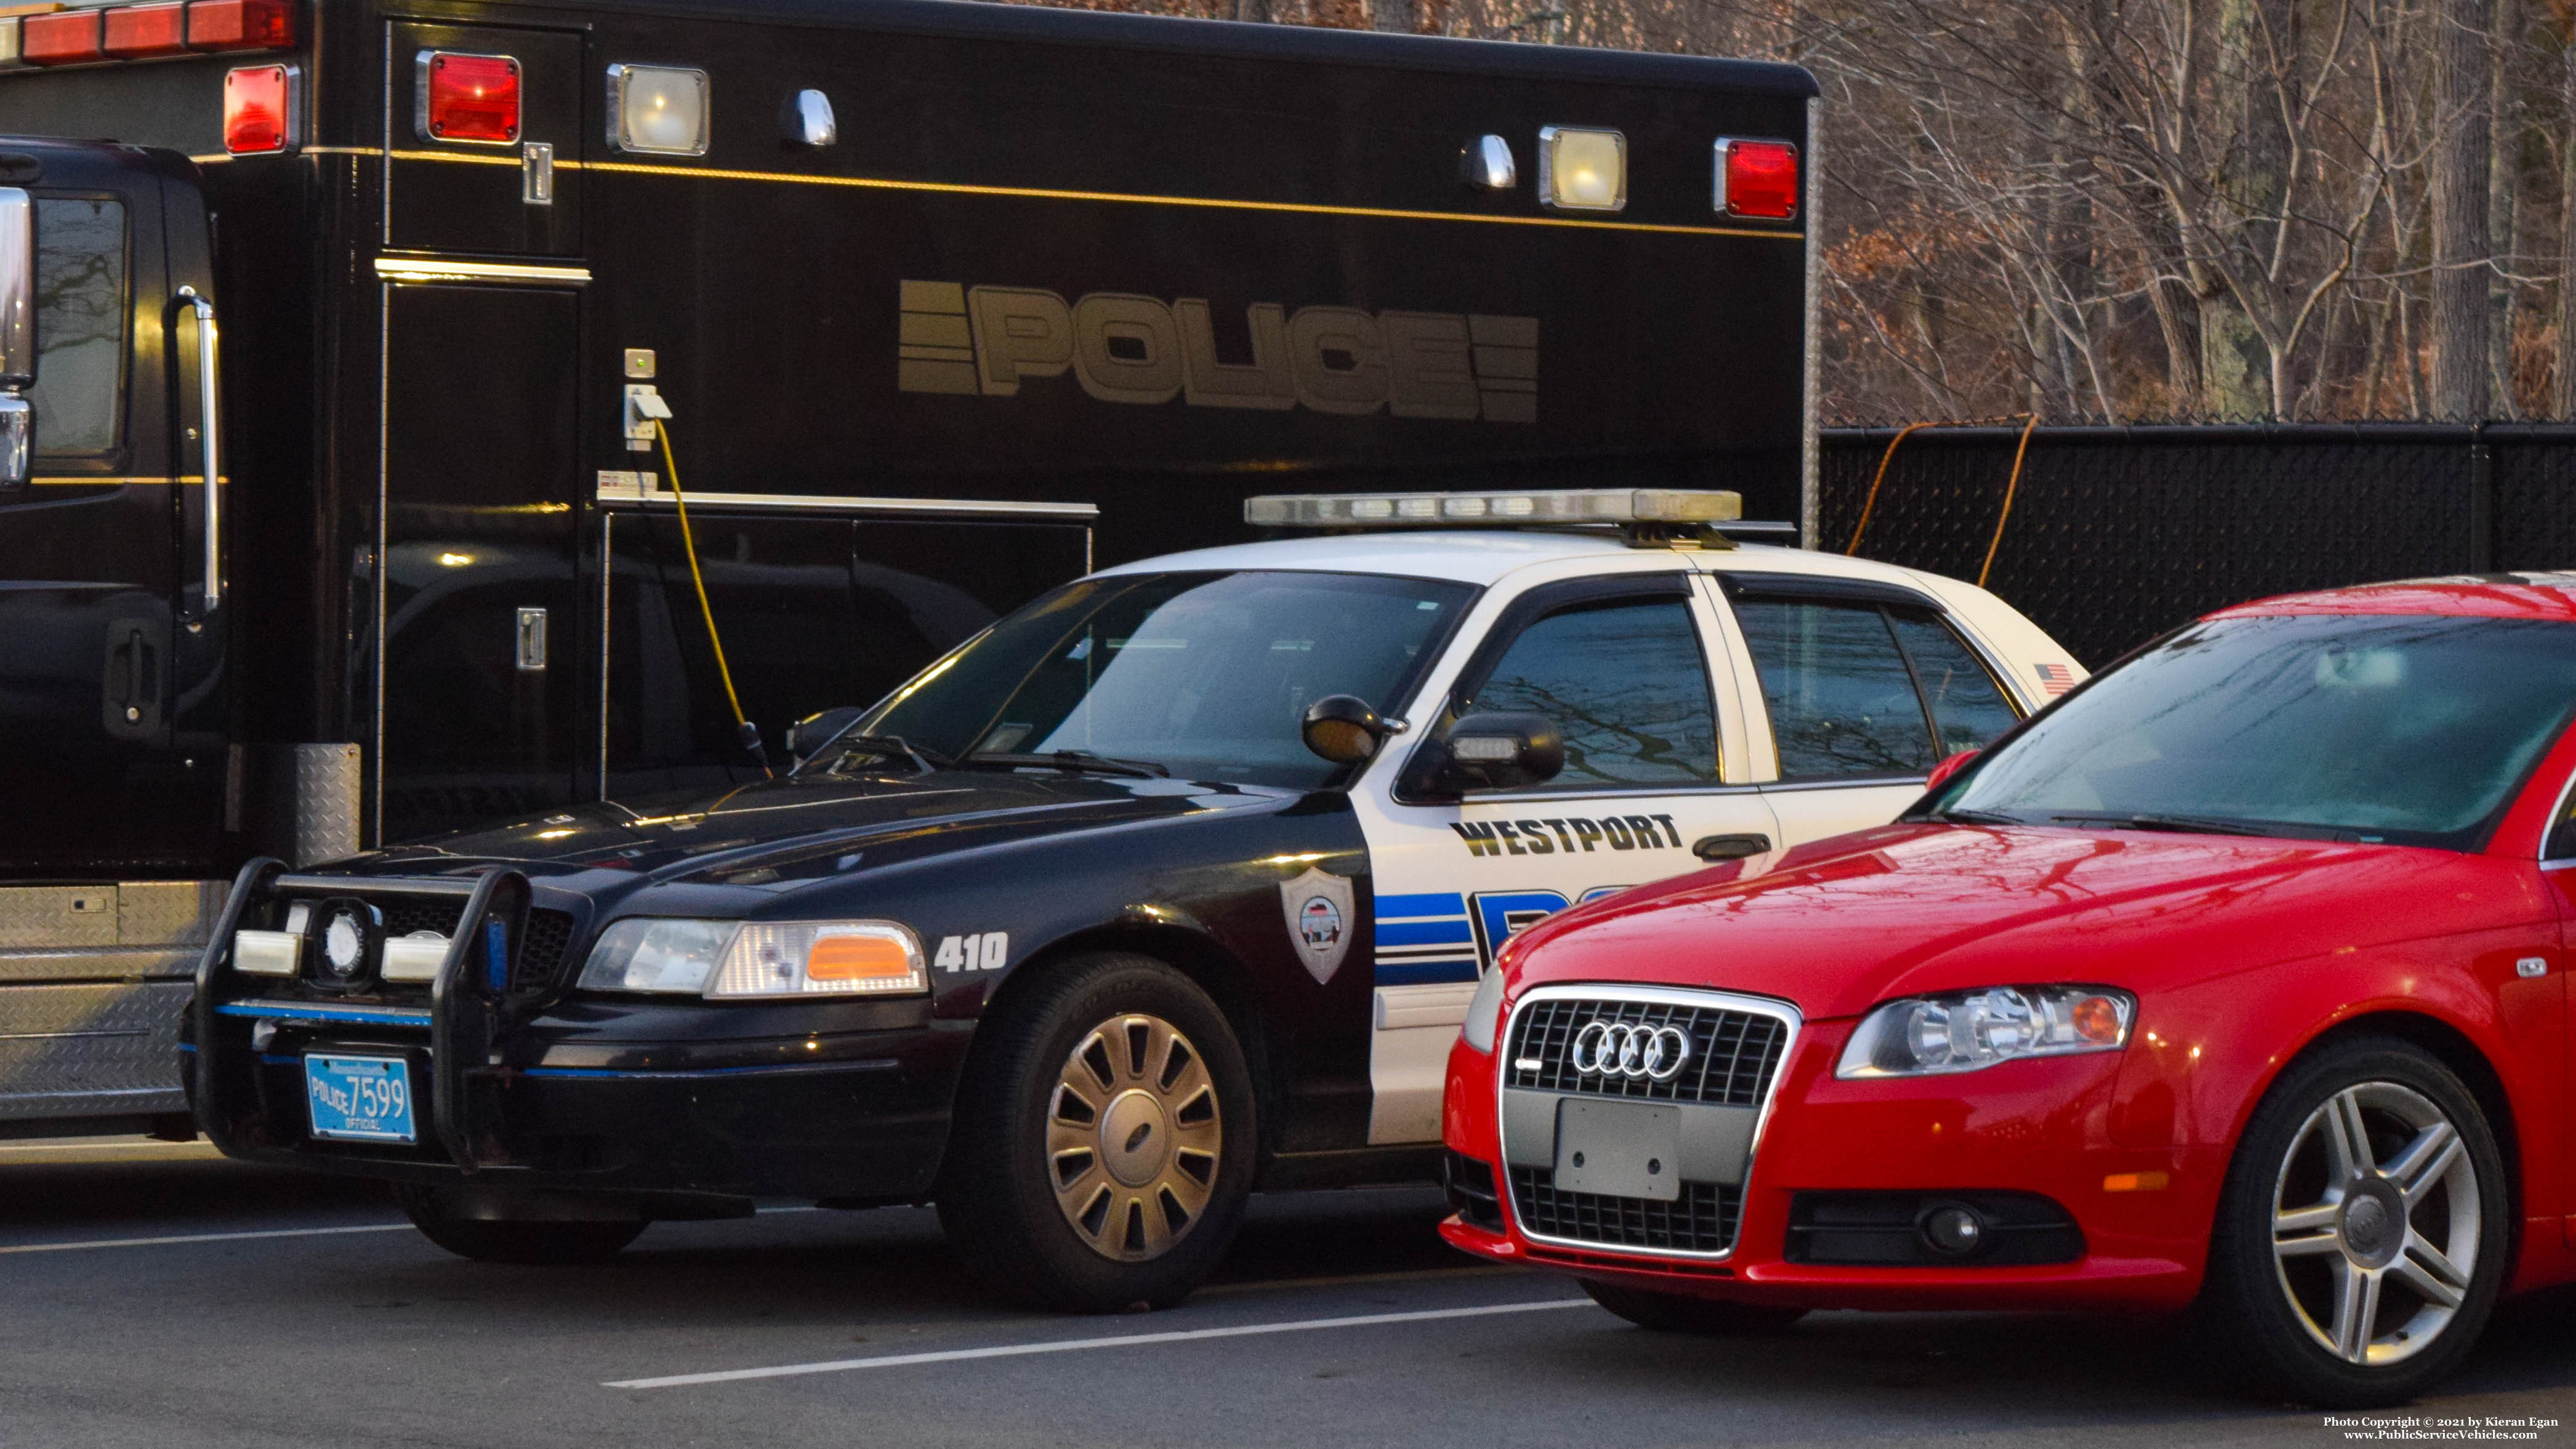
(923, 308)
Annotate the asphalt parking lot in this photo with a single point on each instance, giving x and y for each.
(160, 1295)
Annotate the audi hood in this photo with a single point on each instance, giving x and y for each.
(1839, 925)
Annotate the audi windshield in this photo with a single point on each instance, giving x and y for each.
(2411, 730)
(1203, 675)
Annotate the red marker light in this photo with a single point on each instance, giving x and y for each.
(136, 31)
(259, 110)
(468, 98)
(240, 24)
(68, 38)
(1758, 179)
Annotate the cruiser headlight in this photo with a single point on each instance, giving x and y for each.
(821, 958)
(657, 955)
(1963, 1031)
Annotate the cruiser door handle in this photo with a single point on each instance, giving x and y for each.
(1729, 847)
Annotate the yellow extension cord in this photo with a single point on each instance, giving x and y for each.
(689, 544)
(2012, 485)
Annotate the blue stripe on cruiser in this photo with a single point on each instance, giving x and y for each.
(1425, 933)
(1438, 903)
(1424, 973)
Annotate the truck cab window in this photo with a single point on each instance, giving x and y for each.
(79, 394)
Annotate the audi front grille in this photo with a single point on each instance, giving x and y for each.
(1702, 1221)
(1593, 1043)
(1732, 1059)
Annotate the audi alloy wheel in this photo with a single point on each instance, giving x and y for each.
(2375, 1215)
(1101, 1151)
(2361, 1238)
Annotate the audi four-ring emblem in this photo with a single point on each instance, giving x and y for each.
(1621, 1049)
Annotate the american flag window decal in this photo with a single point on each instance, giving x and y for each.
(2056, 679)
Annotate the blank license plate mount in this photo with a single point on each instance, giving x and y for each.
(1619, 1149)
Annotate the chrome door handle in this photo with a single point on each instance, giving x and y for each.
(211, 448)
(1729, 847)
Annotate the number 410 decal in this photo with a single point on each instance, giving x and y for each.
(988, 952)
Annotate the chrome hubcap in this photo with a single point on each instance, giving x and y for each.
(1133, 1134)
(2375, 1223)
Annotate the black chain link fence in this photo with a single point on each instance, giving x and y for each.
(2118, 534)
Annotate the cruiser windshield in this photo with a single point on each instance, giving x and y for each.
(1205, 674)
(2413, 730)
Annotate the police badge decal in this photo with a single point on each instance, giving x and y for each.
(1318, 906)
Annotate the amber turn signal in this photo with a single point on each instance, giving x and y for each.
(2136, 1182)
(858, 958)
(2097, 1019)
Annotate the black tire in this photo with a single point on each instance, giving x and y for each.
(2273, 1304)
(515, 1240)
(1677, 1313)
(1015, 1181)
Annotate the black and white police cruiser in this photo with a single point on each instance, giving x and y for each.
(1175, 883)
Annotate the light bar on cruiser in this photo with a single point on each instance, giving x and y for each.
(1518, 507)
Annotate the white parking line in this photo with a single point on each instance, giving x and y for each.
(201, 1238)
(1129, 1340)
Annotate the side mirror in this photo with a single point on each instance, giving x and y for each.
(816, 730)
(1500, 751)
(1944, 770)
(18, 336)
(1342, 728)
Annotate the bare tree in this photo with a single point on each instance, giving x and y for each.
(2127, 209)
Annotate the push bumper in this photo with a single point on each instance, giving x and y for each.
(525, 1096)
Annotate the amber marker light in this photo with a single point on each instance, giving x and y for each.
(2097, 1019)
(2136, 1182)
(870, 958)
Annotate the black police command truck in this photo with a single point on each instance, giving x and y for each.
(355, 357)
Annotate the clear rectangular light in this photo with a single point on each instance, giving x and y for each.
(1580, 169)
(267, 953)
(415, 957)
(1520, 506)
(657, 110)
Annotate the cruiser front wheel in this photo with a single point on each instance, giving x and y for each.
(1102, 1146)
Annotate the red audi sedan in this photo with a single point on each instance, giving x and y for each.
(2234, 981)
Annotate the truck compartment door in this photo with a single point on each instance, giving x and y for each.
(479, 710)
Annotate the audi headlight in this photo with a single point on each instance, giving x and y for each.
(1963, 1031)
(1484, 1012)
(732, 960)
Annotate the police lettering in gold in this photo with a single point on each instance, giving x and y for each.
(1123, 348)
(1568, 835)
